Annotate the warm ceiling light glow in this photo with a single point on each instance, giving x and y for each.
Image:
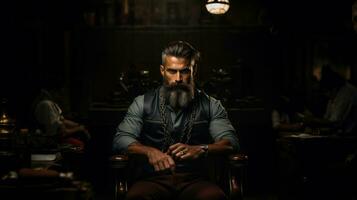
(217, 7)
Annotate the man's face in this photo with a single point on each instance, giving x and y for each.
(177, 75)
(176, 71)
(316, 72)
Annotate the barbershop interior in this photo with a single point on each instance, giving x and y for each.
(285, 73)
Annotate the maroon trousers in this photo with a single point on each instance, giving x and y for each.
(180, 186)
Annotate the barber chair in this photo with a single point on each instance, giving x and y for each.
(229, 173)
(41, 183)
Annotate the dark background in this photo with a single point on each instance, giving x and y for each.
(266, 46)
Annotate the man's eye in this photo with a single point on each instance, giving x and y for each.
(185, 71)
(171, 71)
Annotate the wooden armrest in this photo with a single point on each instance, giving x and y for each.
(119, 158)
(238, 157)
(118, 161)
(237, 176)
(238, 160)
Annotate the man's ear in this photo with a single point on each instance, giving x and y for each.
(194, 68)
(162, 70)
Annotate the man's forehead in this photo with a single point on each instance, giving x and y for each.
(174, 59)
(177, 67)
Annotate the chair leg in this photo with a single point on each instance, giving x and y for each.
(236, 188)
(237, 180)
(120, 189)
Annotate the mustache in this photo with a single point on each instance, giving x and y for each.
(178, 86)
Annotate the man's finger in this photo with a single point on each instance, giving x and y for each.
(186, 155)
(178, 149)
(156, 167)
(161, 165)
(167, 164)
(179, 154)
(172, 164)
(174, 146)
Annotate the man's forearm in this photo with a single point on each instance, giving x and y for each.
(159, 160)
(191, 152)
(138, 148)
(70, 123)
(315, 121)
(220, 147)
(70, 131)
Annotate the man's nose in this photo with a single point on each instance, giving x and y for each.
(178, 77)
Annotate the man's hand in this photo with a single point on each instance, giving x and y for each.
(160, 160)
(184, 151)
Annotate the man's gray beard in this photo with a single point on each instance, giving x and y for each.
(178, 97)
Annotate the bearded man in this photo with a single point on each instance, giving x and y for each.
(175, 127)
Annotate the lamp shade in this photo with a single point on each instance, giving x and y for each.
(217, 7)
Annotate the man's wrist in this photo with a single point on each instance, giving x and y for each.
(204, 148)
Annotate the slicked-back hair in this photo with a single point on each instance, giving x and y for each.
(181, 49)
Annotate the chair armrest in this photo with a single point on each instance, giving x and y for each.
(237, 178)
(238, 160)
(118, 161)
(239, 156)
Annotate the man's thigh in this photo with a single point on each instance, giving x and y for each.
(148, 190)
(202, 190)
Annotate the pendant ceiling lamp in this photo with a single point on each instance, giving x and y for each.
(217, 7)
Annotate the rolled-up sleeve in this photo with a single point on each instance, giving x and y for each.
(129, 129)
(220, 126)
(48, 114)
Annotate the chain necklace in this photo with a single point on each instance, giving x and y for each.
(169, 140)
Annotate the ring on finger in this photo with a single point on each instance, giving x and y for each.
(185, 151)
